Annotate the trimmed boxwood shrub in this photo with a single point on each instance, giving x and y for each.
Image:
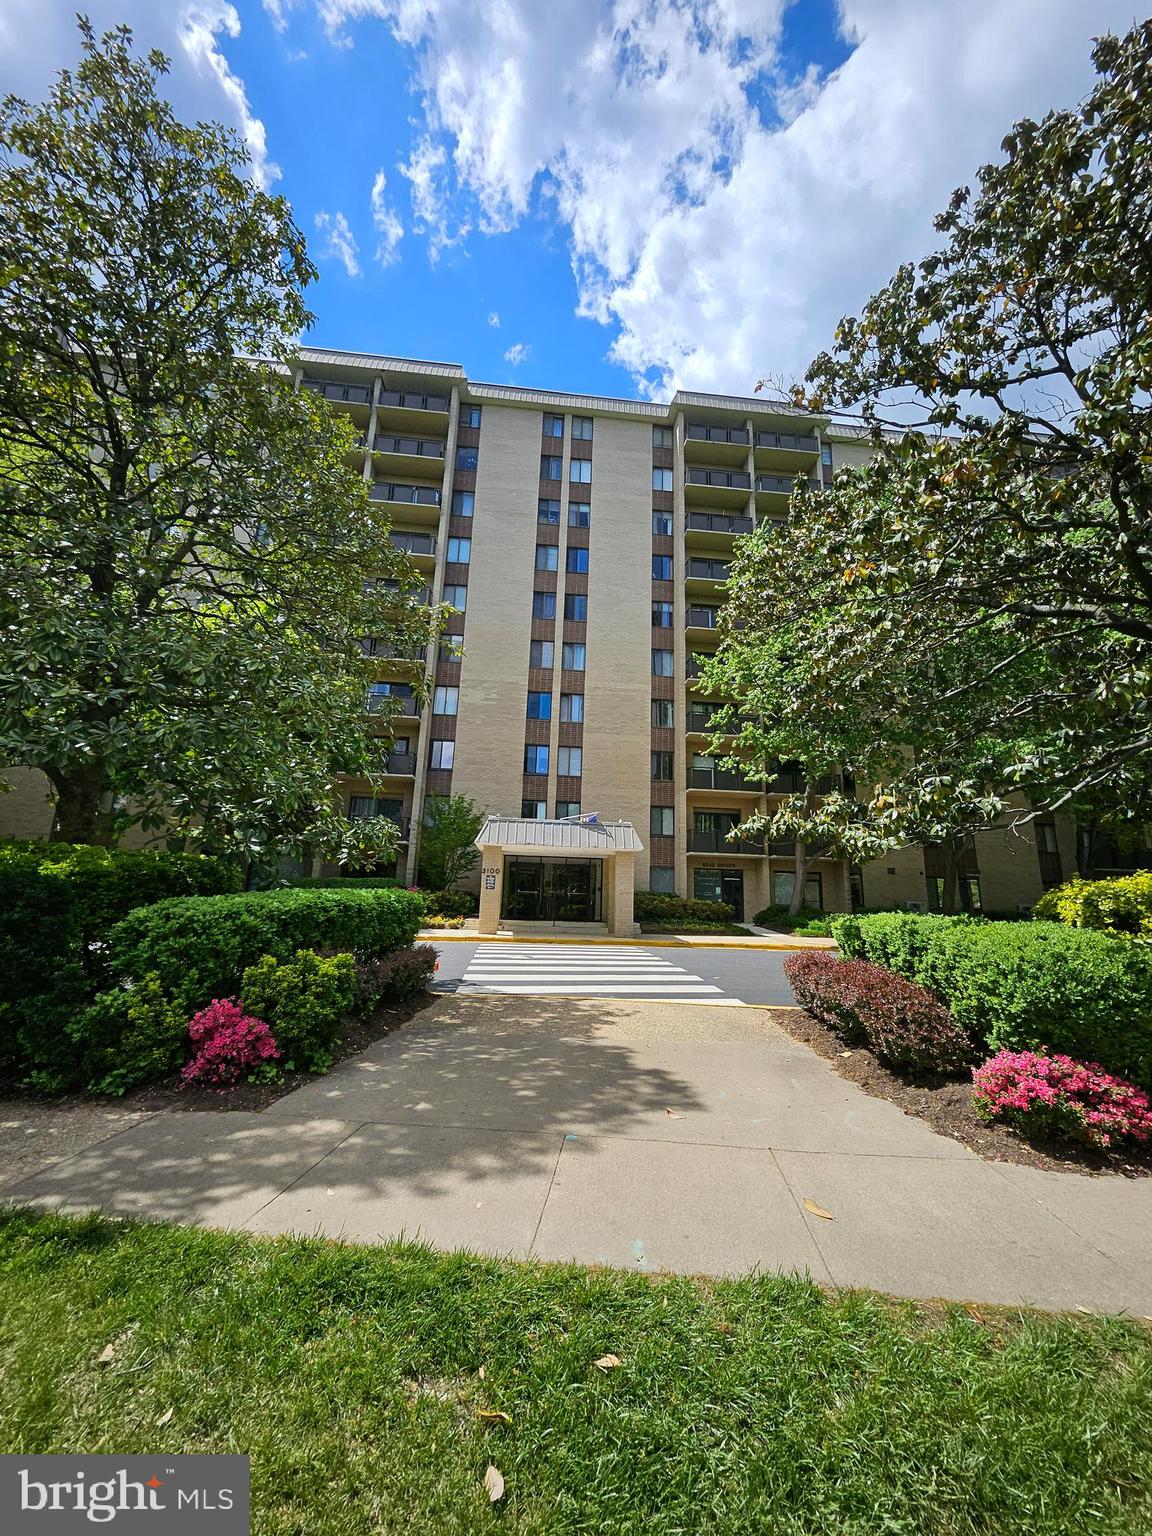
(123, 1037)
(302, 1001)
(398, 976)
(451, 903)
(660, 907)
(200, 946)
(1026, 986)
(345, 882)
(901, 1022)
(1122, 906)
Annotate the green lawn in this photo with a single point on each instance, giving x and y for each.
(353, 1378)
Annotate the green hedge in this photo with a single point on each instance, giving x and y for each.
(303, 1002)
(345, 883)
(1122, 906)
(1023, 986)
(660, 907)
(200, 946)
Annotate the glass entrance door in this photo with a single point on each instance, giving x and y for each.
(553, 890)
(725, 885)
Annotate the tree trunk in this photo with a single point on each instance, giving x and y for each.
(802, 863)
(951, 861)
(79, 816)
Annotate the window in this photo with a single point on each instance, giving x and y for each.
(661, 479)
(662, 765)
(443, 754)
(551, 467)
(661, 663)
(467, 458)
(463, 503)
(534, 810)
(445, 701)
(456, 597)
(856, 888)
(582, 428)
(661, 567)
(661, 437)
(547, 557)
(571, 708)
(567, 808)
(535, 759)
(576, 607)
(1046, 837)
(661, 615)
(540, 653)
(547, 511)
(459, 551)
(662, 525)
(576, 560)
(572, 658)
(570, 762)
(662, 821)
(784, 883)
(662, 878)
(451, 647)
(539, 706)
(469, 415)
(554, 427)
(543, 605)
(826, 455)
(580, 471)
(662, 713)
(579, 514)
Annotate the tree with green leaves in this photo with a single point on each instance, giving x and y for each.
(966, 622)
(447, 849)
(185, 541)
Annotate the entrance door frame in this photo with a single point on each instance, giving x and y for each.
(548, 894)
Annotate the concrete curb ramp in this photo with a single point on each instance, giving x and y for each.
(676, 1138)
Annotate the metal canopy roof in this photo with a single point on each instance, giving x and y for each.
(603, 837)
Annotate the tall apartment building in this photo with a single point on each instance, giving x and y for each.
(582, 543)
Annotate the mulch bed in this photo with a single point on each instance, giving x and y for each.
(946, 1105)
(170, 1093)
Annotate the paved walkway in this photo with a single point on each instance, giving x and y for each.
(648, 1135)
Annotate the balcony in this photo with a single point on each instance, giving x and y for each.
(422, 545)
(706, 574)
(722, 778)
(408, 455)
(774, 492)
(705, 444)
(716, 841)
(402, 764)
(339, 393)
(397, 699)
(421, 503)
(701, 716)
(785, 450)
(702, 619)
(383, 650)
(714, 530)
(411, 411)
(717, 487)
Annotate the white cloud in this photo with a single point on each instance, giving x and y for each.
(341, 241)
(387, 222)
(39, 37)
(719, 244)
(517, 354)
(494, 320)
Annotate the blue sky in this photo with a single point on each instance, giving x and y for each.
(644, 193)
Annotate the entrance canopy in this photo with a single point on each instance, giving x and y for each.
(557, 871)
(561, 837)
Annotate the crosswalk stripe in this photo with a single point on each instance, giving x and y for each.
(583, 970)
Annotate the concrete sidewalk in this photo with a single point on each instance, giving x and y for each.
(759, 938)
(676, 1138)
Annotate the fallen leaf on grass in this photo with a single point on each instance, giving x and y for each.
(494, 1484)
(607, 1362)
(818, 1210)
(493, 1416)
(106, 1355)
(481, 1373)
(673, 1114)
(164, 1417)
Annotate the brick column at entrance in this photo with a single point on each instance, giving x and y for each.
(623, 868)
(491, 888)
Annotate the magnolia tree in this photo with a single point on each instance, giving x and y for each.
(185, 541)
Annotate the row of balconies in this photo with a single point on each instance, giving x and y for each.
(716, 841)
(699, 432)
(341, 393)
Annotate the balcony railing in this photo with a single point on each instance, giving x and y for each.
(384, 650)
(721, 778)
(703, 618)
(697, 432)
(730, 479)
(792, 783)
(347, 394)
(782, 485)
(416, 495)
(709, 570)
(413, 400)
(717, 522)
(402, 762)
(381, 703)
(701, 716)
(716, 841)
(786, 440)
(413, 543)
(414, 447)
